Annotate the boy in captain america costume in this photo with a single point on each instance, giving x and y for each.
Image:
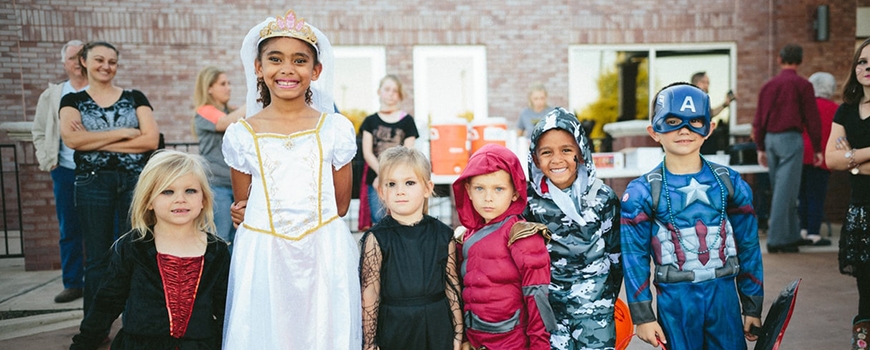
(703, 239)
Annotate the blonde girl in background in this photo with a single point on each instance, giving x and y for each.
(408, 273)
(389, 127)
(213, 115)
(169, 274)
(536, 110)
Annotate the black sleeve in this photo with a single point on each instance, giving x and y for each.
(110, 299)
(139, 99)
(410, 127)
(368, 124)
(219, 303)
(70, 100)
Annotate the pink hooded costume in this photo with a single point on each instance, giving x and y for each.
(504, 264)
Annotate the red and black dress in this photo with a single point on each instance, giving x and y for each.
(168, 302)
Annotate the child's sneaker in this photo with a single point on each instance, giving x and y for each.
(859, 334)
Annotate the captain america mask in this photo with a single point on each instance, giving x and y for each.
(681, 106)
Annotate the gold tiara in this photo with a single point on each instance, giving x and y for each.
(291, 26)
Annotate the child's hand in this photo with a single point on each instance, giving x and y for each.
(748, 322)
(237, 210)
(465, 346)
(651, 332)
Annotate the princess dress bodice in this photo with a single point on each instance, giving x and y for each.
(292, 192)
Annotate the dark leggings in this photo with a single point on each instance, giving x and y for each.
(863, 278)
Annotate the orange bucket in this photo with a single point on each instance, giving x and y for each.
(624, 326)
(447, 149)
(488, 130)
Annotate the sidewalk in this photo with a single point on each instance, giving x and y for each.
(826, 302)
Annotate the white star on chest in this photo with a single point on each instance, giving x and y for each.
(695, 191)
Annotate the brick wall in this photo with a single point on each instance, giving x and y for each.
(164, 44)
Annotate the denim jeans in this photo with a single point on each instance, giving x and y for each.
(814, 189)
(375, 205)
(71, 243)
(223, 200)
(102, 199)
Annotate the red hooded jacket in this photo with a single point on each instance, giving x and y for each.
(505, 285)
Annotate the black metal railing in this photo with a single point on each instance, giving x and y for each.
(12, 242)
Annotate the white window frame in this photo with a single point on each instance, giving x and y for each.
(361, 83)
(426, 59)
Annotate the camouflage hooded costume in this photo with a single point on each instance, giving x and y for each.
(585, 263)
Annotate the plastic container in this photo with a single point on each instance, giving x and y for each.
(488, 130)
(447, 146)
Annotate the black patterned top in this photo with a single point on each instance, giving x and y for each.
(121, 114)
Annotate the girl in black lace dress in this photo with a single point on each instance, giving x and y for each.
(408, 272)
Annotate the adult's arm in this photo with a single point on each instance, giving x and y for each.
(40, 125)
(230, 118)
(147, 140)
(838, 146)
(75, 136)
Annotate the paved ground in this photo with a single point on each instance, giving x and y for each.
(826, 303)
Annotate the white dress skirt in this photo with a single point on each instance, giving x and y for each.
(293, 277)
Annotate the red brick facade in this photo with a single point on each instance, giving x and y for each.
(163, 45)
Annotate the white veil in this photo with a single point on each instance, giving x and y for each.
(321, 100)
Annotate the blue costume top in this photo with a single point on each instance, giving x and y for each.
(691, 246)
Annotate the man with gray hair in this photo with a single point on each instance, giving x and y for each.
(57, 158)
(814, 178)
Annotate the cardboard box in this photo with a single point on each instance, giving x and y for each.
(642, 158)
(609, 160)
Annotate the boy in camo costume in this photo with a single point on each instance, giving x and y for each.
(583, 215)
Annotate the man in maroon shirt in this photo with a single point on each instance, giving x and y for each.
(786, 108)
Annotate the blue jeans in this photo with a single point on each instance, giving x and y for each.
(811, 208)
(102, 199)
(71, 243)
(223, 200)
(375, 205)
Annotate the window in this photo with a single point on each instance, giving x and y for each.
(662, 64)
(449, 82)
(358, 70)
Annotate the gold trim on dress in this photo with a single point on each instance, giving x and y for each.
(320, 221)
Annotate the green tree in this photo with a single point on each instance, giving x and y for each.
(606, 109)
